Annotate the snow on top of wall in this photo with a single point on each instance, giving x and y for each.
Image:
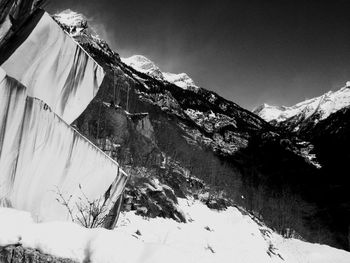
(209, 237)
(324, 105)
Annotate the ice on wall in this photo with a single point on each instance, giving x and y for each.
(40, 153)
(55, 69)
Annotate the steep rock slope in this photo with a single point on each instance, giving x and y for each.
(229, 148)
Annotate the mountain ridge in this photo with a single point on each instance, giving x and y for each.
(308, 112)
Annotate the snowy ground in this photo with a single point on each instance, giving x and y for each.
(209, 236)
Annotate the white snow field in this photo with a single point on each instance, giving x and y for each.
(41, 154)
(55, 69)
(209, 236)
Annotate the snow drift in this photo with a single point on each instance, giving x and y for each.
(210, 236)
(53, 67)
(40, 153)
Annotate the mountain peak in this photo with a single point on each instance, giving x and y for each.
(145, 65)
(74, 21)
(269, 112)
(182, 80)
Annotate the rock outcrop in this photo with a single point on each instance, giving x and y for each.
(19, 254)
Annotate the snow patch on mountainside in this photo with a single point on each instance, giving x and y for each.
(323, 106)
(144, 65)
(210, 236)
(182, 80)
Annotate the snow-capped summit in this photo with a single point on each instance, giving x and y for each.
(76, 25)
(319, 108)
(144, 65)
(74, 21)
(269, 112)
(182, 80)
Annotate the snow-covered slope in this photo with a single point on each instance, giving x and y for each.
(54, 68)
(182, 80)
(320, 107)
(144, 65)
(210, 236)
(41, 154)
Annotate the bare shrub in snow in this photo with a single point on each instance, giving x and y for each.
(86, 212)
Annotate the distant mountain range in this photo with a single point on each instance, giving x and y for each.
(308, 112)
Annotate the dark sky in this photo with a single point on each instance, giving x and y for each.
(250, 52)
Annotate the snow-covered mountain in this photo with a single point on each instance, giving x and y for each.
(76, 26)
(204, 172)
(216, 140)
(144, 65)
(311, 110)
(74, 21)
